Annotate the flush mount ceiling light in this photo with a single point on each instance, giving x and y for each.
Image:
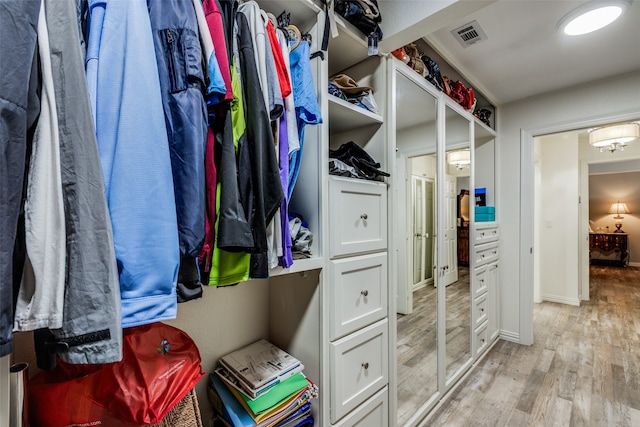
(592, 16)
(460, 159)
(614, 138)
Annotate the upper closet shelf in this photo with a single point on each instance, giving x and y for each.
(482, 132)
(345, 116)
(349, 48)
(303, 12)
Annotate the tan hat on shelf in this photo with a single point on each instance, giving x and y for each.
(348, 85)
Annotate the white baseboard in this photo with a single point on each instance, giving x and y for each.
(510, 336)
(634, 264)
(561, 299)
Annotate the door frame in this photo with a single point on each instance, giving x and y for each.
(527, 206)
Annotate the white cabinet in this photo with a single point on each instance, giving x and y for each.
(485, 286)
(358, 265)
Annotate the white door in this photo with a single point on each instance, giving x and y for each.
(422, 236)
(450, 230)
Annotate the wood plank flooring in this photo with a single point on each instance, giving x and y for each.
(582, 370)
(416, 345)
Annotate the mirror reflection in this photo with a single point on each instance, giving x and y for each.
(416, 134)
(455, 241)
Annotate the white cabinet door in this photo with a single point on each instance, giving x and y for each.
(373, 413)
(493, 328)
(357, 216)
(358, 292)
(359, 368)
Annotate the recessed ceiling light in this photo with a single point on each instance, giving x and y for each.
(592, 16)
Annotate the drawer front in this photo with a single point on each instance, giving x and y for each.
(358, 292)
(359, 368)
(481, 310)
(485, 254)
(480, 280)
(373, 413)
(486, 234)
(482, 339)
(357, 216)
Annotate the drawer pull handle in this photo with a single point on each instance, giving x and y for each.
(364, 293)
(364, 216)
(365, 365)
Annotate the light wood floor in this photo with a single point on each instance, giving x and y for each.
(416, 345)
(582, 370)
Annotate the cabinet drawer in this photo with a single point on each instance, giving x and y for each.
(358, 292)
(480, 280)
(359, 368)
(373, 413)
(482, 339)
(357, 216)
(484, 254)
(481, 310)
(485, 233)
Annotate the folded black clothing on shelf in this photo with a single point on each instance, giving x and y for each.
(351, 154)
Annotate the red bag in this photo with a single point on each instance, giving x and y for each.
(160, 365)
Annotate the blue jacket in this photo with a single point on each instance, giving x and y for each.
(124, 88)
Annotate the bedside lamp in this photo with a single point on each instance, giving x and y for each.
(618, 208)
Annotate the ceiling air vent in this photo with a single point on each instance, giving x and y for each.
(469, 34)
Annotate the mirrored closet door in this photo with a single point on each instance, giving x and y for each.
(431, 139)
(415, 206)
(454, 256)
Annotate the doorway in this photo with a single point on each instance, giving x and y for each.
(561, 212)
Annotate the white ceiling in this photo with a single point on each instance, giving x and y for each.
(525, 55)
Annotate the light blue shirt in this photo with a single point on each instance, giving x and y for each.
(124, 89)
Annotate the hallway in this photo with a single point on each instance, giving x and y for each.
(582, 370)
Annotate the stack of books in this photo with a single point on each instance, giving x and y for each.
(261, 385)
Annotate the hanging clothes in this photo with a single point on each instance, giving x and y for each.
(19, 107)
(263, 58)
(217, 119)
(217, 26)
(91, 330)
(41, 296)
(263, 164)
(230, 268)
(306, 102)
(124, 88)
(286, 260)
(182, 82)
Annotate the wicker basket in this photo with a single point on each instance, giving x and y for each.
(186, 413)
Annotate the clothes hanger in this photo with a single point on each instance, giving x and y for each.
(294, 35)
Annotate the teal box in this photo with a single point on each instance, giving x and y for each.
(485, 217)
(486, 210)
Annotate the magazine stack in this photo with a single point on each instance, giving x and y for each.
(261, 385)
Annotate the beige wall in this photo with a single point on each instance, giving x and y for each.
(605, 189)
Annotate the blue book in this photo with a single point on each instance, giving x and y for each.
(227, 405)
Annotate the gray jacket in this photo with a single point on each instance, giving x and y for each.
(91, 330)
(19, 106)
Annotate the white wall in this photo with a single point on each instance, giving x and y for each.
(484, 171)
(573, 108)
(557, 223)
